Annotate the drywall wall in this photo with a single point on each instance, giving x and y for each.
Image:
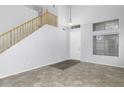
(14, 15)
(37, 8)
(46, 46)
(62, 15)
(42, 8)
(86, 16)
(50, 8)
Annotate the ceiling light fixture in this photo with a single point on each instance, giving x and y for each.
(70, 19)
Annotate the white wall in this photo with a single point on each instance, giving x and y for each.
(50, 8)
(46, 46)
(14, 15)
(42, 8)
(86, 15)
(62, 23)
(62, 15)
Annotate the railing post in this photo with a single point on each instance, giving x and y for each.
(47, 17)
(6, 40)
(0, 43)
(10, 38)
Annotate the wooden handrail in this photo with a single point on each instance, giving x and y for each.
(18, 33)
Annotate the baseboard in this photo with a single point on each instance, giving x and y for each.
(33, 68)
(102, 64)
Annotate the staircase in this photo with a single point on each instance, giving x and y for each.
(18, 33)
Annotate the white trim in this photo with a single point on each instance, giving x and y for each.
(100, 63)
(30, 69)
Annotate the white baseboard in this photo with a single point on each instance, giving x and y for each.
(33, 68)
(55, 63)
(102, 64)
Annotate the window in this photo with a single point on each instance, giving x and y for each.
(107, 25)
(106, 44)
